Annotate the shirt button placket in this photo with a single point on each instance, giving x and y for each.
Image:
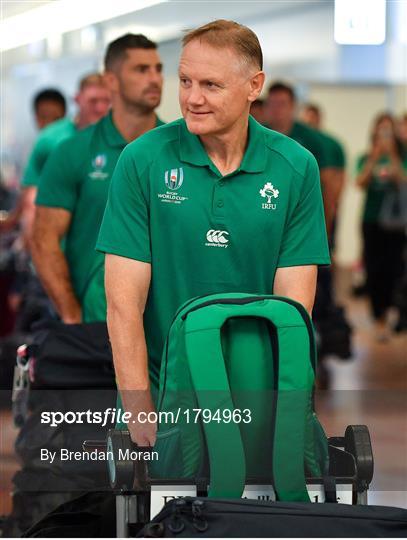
(218, 199)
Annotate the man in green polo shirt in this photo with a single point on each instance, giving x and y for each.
(93, 100)
(74, 184)
(49, 105)
(280, 114)
(312, 116)
(213, 202)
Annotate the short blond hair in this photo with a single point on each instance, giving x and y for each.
(92, 79)
(229, 34)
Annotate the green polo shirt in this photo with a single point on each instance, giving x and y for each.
(206, 233)
(47, 140)
(76, 177)
(335, 151)
(312, 140)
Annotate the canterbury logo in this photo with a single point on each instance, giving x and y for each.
(217, 237)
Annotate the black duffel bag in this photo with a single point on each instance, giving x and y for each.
(70, 369)
(243, 518)
(93, 515)
(71, 356)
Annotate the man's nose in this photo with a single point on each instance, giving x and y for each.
(156, 77)
(195, 95)
(102, 106)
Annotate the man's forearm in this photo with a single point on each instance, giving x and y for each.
(127, 283)
(126, 333)
(53, 271)
(298, 283)
(131, 367)
(28, 214)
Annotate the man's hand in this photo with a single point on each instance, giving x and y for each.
(72, 314)
(140, 404)
(143, 434)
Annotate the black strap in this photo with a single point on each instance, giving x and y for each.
(330, 489)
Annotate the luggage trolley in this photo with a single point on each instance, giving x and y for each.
(139, 498)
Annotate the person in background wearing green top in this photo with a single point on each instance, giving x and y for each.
(93, 101)
(49, 105)
(74, 183)
(329, 317)
(380, 171)
(213, 202)
(280, 110)
(312, 116)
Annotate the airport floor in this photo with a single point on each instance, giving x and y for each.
(370, 389)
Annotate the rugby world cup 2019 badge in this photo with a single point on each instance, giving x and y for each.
(98, 164)
(173, 178)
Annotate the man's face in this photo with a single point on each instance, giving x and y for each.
(93, 102)
(47, 112)
(311, 118)
(214, 88)
(279, 109)
(138, 80)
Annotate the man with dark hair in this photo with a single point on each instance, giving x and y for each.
(312, 116)
(279, 86)
(216, 170)
(117, 50)
(280, 113)
(93, 101)
(74, 184)
(49, 105)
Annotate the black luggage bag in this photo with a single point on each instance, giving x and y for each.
(244, 518)
(65, 368)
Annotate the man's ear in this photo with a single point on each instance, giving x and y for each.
(256, 85)
(111, 81)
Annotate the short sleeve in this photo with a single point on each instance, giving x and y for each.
(341, 156)
(125, 226)
(36, 161)
(304, 240)
(58, 185)
(321, 151)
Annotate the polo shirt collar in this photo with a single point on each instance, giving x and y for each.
(113, 137)
(191, 149)
(254, 159)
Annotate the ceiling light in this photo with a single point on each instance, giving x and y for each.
(60, 16)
